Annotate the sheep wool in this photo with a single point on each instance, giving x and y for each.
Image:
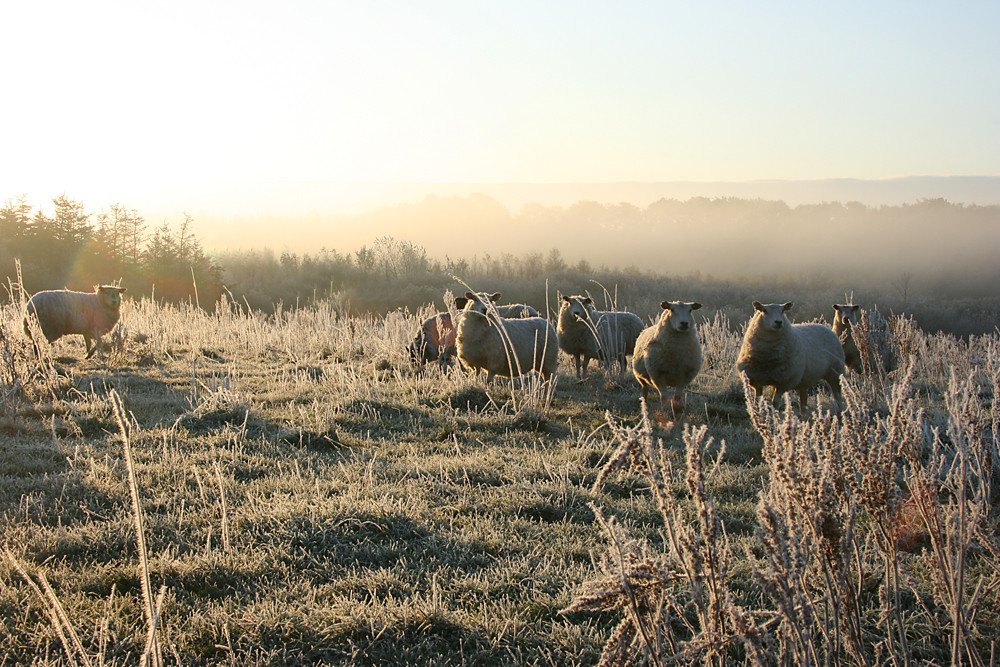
(516, 310)
(502, 346)
(788, 357)
(586, 333)
(63, 312)
(668, 354)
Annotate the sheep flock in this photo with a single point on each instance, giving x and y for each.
(666, 356)
(511, 340)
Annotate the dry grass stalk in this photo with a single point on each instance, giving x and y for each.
(54, 609)
(692, 592)
(152, 655)
(951, 488)
(222, 503)
(878, 465)
(807, 526)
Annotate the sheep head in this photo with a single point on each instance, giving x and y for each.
(677, 315)
(772, 316)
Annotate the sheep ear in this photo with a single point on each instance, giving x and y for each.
(588, 301)
(788, 306)
(122, 290)
(836, 306)
(757, 306)
(665, 305)
(495, 297)
(695, 306)
(470, 296)
(566, 298)
(460, 302)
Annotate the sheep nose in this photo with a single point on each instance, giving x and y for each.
(684, 326)
(777, 324)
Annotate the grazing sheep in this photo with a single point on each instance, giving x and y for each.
(846, 316)
(62, 312)
(531, 343)
(779, 354)
(668, 354)
(435, 339)
(586, 333)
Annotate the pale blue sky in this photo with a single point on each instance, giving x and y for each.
(112, 100)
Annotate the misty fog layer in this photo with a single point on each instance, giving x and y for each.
(931, 240)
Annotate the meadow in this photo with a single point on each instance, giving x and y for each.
(289, 489)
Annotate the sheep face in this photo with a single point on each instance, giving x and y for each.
(575, 308)
(479, 302)
(846, 316)
(677, 315)
(111, 297)
(772, 316)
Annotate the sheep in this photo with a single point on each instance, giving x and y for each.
(586, 333)
(846, 316)
(779, 354)
(435, 339)
(63, 312)
(668, 354)
(516, 310)
(506, 347)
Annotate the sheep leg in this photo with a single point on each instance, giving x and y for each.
(838, 395)
(87, 343)
(677, 406)
(804, 401)
(776, 398)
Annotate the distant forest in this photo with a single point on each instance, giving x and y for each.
(930, 250)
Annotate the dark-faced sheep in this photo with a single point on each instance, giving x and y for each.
(668, 354)
(788, 357)
(586, 333)
(846, 316)
(502, 346)
(435, 339)
(62, 313)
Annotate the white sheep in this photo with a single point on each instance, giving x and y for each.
(668, 354)
(62, 312)
(778, 354)
(510, 310)
(516, 310)
(502, 346)
(586, 333)
(846, 316)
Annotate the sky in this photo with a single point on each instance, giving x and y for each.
(164, 104)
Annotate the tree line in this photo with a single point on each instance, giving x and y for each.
(73, 249)
(765, 248)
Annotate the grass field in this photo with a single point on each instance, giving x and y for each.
(288, 490)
